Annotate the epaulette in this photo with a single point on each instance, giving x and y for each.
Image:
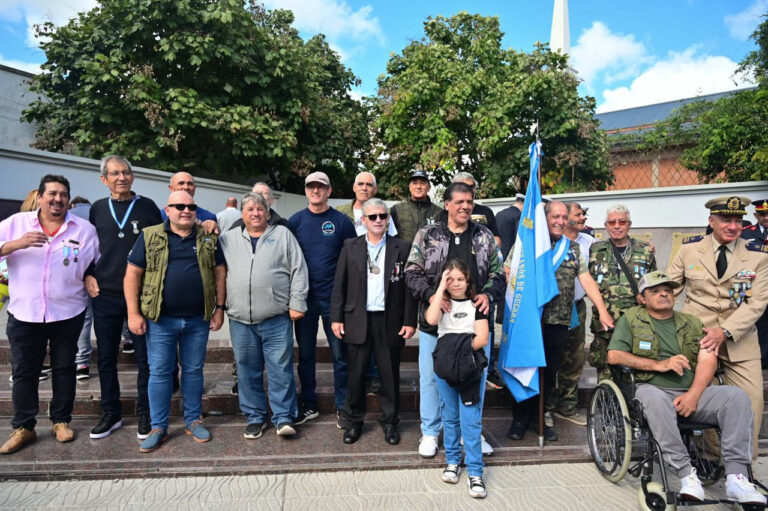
(757, 246)
(749, 228)
(692, 238)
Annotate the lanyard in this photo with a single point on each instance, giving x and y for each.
(121, 225)
(51, 234)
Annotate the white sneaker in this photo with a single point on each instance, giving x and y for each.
(487, 449)
(690, 487)
(428, 446)
(738, 488)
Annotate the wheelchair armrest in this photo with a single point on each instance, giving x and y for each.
(624, 377)
(719, 375)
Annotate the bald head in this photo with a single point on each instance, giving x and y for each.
(265, 191)
(231, 202)
(182, 181)
(180, 211)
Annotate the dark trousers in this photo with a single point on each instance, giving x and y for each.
(555, 342)
(389, 367)
(28, 347)
(762, 336)
(109, 312)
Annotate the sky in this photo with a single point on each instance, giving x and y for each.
(627, 53)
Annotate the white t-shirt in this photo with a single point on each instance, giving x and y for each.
(460, 319)
(585, 241)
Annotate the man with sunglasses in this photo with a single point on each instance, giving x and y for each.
(616, 264)
(373, 312)
(321, 232)
(118, 219)
(175, 293)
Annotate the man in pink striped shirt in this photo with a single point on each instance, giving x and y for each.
(48, 252)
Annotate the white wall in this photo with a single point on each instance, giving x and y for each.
(668, 207)
(15, 97)
(21, 170)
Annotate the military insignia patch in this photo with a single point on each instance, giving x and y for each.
(757, 246)
(692, 239)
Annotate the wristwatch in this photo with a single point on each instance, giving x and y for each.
(222, 307)
(727, 333)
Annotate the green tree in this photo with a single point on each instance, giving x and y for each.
(215, 88)
(457, 101)
(723, 140)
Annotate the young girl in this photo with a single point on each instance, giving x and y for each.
(459, 419)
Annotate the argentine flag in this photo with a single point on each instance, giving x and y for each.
(531, 285)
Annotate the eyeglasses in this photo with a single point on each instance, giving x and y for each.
(380, 216)
(182, 207)
(124, 173)
(617, 222)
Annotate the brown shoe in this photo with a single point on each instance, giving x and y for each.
(63, 432)
(19, 438)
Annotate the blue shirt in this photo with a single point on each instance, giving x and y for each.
(376, 299)
(202, 214)
(321, 237)
(183, 288)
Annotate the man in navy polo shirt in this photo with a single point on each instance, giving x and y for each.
(320, 231)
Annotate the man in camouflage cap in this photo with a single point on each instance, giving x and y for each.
(616, 264)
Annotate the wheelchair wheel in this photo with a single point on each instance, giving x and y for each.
(609, 434)
(707, 464)
(656, 500)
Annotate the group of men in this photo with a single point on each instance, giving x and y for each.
(367, 271)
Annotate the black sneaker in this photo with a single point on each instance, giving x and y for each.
(106, 426)
(128, 347)
(234, 389)
(373, 385)
(341, 422)
(494, 380)
(253, 431)
(306, 414)
(286, 429)
(83, 372)
(145, 426)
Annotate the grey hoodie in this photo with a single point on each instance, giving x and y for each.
(267, 282)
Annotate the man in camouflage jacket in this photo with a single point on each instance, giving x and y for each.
(411, 215)
(460, 238)
(615, 288)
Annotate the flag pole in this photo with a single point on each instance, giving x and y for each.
(541, 369)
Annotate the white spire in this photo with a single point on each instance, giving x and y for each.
(560, 38)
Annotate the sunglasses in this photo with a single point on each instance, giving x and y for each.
(380, 216)
(182, 207)
(616, 222)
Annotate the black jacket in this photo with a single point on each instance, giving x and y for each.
(350, 291)
(460, 366)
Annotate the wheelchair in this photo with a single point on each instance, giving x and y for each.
(621, 442)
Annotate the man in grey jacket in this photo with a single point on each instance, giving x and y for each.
(267, 288)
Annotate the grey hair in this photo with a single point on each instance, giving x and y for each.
(109, 158)
(464, 176)
(548, 206)
(269, 188)
(374, 203)
(366, 172)
(618, 209)
(570, 205)
(254, 197)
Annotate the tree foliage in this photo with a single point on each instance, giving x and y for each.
(457, 101)
(725, 139)
(215, 88)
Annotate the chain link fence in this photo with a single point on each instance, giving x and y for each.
(637, 168)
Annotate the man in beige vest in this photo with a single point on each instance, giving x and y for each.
(726, 284)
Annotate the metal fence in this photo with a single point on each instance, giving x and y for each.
(638, 168)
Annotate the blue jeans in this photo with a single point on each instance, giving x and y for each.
(190, 335)
(306, 337)
(462, 421)
(429, 399)
(270, 341)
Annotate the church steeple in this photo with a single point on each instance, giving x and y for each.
(560, 37)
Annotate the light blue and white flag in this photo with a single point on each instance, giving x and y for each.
(532, 284)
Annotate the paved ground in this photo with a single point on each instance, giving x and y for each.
(524, 488)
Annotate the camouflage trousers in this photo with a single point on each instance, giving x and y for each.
(597, 352)
(572, 365)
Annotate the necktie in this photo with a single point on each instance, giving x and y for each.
(722, 262)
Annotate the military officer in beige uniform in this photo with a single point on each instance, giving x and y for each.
(726, 284)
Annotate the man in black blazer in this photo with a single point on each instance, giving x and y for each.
(372, 309)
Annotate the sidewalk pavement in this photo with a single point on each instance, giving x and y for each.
(511, 488)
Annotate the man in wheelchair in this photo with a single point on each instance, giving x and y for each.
(674, 376)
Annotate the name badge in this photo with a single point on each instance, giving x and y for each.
(644, 345)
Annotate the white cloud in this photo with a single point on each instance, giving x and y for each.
(29, 67)
(39, 11)
(680, 75)
(600, 52)
(742, 24)
(334, 18)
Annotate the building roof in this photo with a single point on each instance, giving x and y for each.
(641, 117)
